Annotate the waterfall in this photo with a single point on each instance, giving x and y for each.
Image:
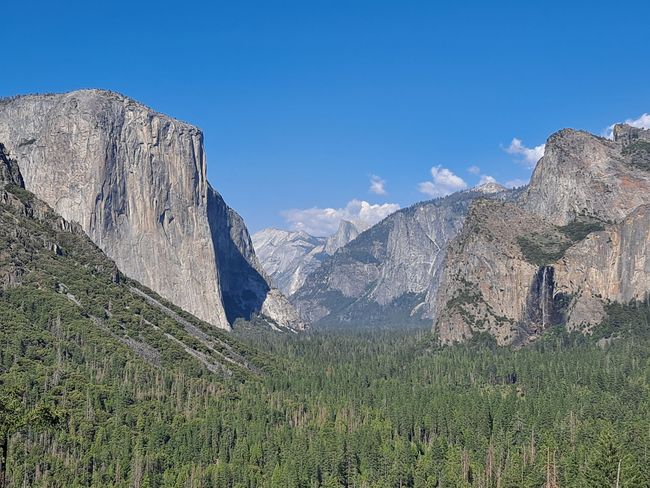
(543, 305)
(543, 296)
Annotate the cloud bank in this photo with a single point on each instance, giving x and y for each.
(530, 155)
(377, 185)
(443, 182)
(325, 221)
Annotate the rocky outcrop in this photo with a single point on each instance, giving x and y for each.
(135, 180)
(390, 273)
(9, 171)
(288, 256)
(612, 265)
(486, 286)
(585, 174)
(574, 240)
(347, 232)
(628, 135)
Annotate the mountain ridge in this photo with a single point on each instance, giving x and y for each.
(527, 273)
(390, 272)
(290, 256)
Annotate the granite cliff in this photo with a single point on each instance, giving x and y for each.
(575, 240)
(135, 181)
(54, 278)
(581, 173)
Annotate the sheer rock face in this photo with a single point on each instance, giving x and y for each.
(611, 265)
(584, 174)
(135, 180)
(347, 232)
(520, 267)
(486, 285)
(389, 273)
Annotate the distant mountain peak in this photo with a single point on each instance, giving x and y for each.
(346, 232)
(627, 134)
(489, 187)
(288, 256)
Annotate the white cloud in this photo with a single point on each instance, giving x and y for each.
(486, 179)
(475, 170)
(530, 155)
(643, 122)
(325, 221)
(443, 183)
(515, 182)
(377, 185)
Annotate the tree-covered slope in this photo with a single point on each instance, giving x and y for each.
(390, 408)
(51, 273)
(78, 335)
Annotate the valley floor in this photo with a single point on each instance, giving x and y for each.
(335, 408)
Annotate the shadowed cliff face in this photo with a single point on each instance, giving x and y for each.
(135, 181)
(540, 307)
(243, 286)
(545, 306)
(9, 171)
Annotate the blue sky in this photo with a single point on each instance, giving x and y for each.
(303, 102)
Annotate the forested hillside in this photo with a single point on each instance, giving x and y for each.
(341, 409)
(84, 348)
